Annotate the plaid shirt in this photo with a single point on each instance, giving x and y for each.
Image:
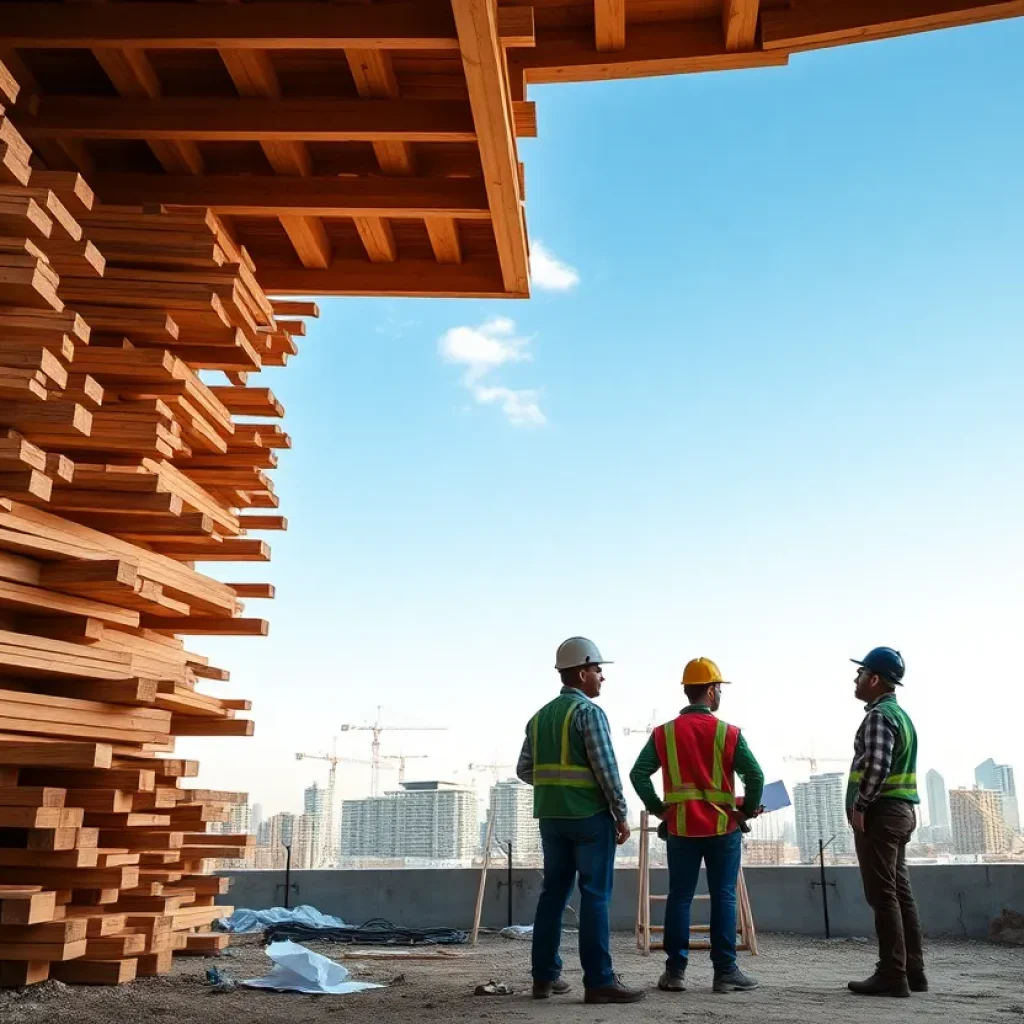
(591, 723)
(872, 752)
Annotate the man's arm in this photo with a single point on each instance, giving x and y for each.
(598, 741)
(879, 745)
(747, 768)
(640, 776)
(524, 769)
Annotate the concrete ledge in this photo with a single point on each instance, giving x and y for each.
(959, 900)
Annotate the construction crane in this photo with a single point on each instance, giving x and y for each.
(377, 728)
(647, 729)
(401, 759)
(495, 769)
(328, 852)
(812, 762)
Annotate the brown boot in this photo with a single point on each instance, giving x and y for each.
(616, 992)
(546, 989)
(880, 985)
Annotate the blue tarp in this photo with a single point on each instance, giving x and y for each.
(242, 921)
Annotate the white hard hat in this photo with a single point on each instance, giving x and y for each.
(578, 651)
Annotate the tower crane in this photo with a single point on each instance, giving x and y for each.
(329, 841)
(377, 728)
(647, 729)
(401, 759)
(494, 769)
(812, 762)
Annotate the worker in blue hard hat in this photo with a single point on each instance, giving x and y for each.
(880, 801)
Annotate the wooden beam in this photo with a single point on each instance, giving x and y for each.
(524, 117)
(609, 25)
(226, 120)
(377, 238)
(413, 278)
(294, 25)
(739, 23)
(444, 239)
(258, 196)
(818, 23)
(669, 48)
(486, 83)
(516, 27)
(253, 74)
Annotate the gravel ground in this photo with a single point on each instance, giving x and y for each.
(802, 980)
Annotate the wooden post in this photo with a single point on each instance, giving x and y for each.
(478, 912)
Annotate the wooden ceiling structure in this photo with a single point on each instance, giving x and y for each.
(369, 147)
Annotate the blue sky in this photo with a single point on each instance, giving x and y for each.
(781, 424)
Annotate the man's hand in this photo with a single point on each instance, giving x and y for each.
(622, 833)
(857, 820)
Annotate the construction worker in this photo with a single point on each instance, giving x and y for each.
(568, 759)
(880, 801)
(698, 755)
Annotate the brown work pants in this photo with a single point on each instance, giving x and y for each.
(882, 854)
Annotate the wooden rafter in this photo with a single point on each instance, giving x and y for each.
(415, 278)
(253, 75)
(487, 85)
(817, 23)
(295, 25)
(739, 24)
(225, 120)
(258, 195)
(609, 25)
(668, 48)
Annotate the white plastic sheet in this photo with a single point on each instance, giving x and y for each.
(297, 969)
(243, 920)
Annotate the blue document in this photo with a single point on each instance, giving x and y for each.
(775, 796)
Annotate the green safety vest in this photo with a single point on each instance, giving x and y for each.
(901, 782)
(563, 784)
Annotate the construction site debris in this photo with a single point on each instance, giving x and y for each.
(297, 969)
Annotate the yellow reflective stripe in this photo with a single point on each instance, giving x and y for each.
(562, 769)
(723, 822)
(711, 796)
(856, 776)
(903, 779)
(716, 774)
(570, 783)
(675, 780)
(565, 734)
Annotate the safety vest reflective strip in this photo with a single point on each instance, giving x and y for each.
(564, 773)
(682, 793)
(894, 785)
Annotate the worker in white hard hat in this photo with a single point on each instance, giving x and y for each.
(568, 759)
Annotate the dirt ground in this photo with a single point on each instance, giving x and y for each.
(802, 980)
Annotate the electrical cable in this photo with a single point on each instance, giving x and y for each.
(375, 932)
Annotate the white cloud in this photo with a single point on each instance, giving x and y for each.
(520, 407)
(550, 273)
(483, 349)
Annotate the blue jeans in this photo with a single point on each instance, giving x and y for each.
(583, 846)
(721, 856)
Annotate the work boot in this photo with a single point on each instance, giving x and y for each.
(881, 985)
(546, 989)
(733, 980)
(673, 980)
(918, 981)
(616, 992)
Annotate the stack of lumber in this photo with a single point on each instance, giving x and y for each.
(121, 465)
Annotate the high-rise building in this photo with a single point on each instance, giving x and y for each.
(314, 807)
(423, 820)
(938, 804)
(257, 819)
(999, 777)
(820, 807)
(512, 808)
(977, 821)
(305, 843)
(277, 832)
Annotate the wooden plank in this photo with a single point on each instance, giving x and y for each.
(233, 120)
(293, 25)
(19, 973)
(26, 909)
(55, 952)
(739, 23)
(665, 48)
(65, 755)
(95, 972)
(32, 796)
(411, 278)
(818, 23)
(265, 591)
(254, 195)
(483, 63)
(609, 25)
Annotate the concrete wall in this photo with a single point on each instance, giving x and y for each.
(956, 900)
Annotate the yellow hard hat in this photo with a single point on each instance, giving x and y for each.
(702, 672)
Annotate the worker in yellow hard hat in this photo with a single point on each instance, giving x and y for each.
(699, 756)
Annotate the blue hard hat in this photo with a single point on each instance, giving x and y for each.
(884, 662)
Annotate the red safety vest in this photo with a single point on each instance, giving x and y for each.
(697, 752)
